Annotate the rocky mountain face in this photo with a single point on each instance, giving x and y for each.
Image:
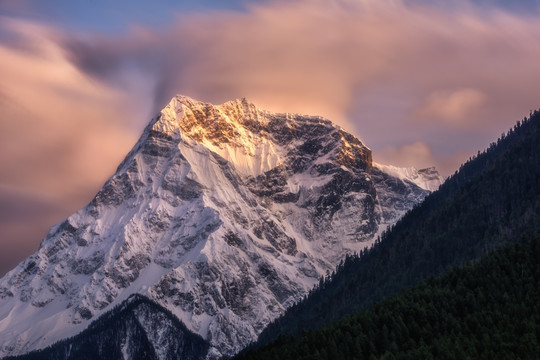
(224, 215)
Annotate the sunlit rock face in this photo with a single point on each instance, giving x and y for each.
(225, 215)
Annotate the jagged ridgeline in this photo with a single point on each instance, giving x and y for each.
(136, 329)
(488, 310)
(493, 199)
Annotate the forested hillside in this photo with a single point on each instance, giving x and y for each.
(488, 310)
(492, 200)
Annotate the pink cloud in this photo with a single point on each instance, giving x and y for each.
(417, 154)
(324, 57)
(421, 85)
(455, 108)
(58, 124)
(61, 135)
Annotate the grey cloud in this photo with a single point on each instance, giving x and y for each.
(95, 58)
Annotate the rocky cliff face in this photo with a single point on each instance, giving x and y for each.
(225, 215)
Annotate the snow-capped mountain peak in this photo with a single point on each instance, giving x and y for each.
(223, 214)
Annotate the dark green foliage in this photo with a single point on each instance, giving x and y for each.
(494, 198)
(106, 336)
(487, 310)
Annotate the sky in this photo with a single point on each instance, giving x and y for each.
(422, 83)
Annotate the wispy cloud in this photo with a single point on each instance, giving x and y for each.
(60, 136)
(415, 154)
(57, 122)
(456, 107)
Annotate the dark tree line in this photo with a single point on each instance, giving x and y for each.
(486, 310)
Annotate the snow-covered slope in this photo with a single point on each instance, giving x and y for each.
(428, 178)
(225, 215)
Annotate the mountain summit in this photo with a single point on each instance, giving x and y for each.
(223, 215)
